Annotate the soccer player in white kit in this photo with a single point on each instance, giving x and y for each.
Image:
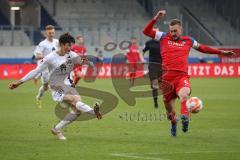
(60, 63)
(45, 47)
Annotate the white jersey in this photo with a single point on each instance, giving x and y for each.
(59, 67)
(45, 47)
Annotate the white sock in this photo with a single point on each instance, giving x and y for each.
(40, 92)
(84, 107)
(61, 124)
(70, 117)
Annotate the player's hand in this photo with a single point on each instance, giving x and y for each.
(84, 58)
(160, 14)
(228, 53)
(91, 64)
(14, 85)
(39, 56)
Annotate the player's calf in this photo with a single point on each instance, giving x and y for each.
(80, 106)
(173, 118)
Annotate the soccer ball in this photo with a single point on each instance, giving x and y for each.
(194, 105)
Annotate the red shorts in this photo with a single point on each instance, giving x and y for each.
(177, 80)
(133, 67)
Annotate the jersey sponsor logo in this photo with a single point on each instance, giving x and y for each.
(185, 82)
(171, 43)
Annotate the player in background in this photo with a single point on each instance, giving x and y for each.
(154, 67)
(133, 57)
(48, 45)
(81, 50)
(175, 49)
(60, 63)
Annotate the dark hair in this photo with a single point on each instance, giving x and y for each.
(66, 38)
(174, 22)
(49, 27)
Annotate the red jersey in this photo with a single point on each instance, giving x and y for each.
(133, 55)
(175, 53)
(79, 49)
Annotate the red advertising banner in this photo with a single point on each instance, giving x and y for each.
(214, 70)
(16, 71)
(203, 70)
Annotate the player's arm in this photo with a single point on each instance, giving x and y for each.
(127, 55)
(39, 56)
(82, 60)
(148, 30)
(141, 58)
(210, 50)
(39, 52)
(30, 75)
(146, 48)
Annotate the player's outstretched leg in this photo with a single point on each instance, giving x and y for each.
(185, 122)
(78, 107)
(183, 95)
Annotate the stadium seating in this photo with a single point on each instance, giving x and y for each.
(203, 19)
(99, 20)
(14, 37)
(214, 22)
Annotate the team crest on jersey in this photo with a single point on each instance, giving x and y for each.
(63, 68)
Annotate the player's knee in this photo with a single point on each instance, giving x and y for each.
(69, 98)
(183, 96)
(76, 98)
(45, 87)
(184, 93)
(155, 84)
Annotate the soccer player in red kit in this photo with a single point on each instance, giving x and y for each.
(80, 49)
(133, 58)
(175, 49)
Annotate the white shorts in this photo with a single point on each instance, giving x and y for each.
(60, 91)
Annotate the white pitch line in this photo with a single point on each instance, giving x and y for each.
(141, 156)
(126, 155)
(193, 152)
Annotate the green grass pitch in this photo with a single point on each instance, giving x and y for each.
(214, 132)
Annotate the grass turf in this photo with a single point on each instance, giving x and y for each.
(214, 132)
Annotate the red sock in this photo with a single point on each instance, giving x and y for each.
(184, 110)
(75, 80)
